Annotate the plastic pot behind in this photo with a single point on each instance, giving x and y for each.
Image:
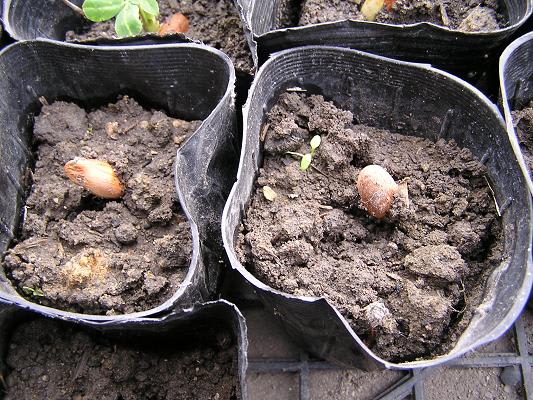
(452, 50)
(427, 103)
(188, 81)
(52, 19)
(215, 324)
(516, 84)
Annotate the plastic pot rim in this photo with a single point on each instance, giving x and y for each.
(98, 319)
(505, 322)
(513, 138)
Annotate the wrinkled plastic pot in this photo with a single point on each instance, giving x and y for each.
(405, 98)
(31, 19)
(516, 84)
(202, 321)
(444, 48)
(189, 81)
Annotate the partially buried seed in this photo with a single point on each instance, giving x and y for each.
(177, 23)
(96, 176)
(377, 190)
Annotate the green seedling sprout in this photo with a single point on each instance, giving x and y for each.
(32, 292)
(306, 159)
(131, 16)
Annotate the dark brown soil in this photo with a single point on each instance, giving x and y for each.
(464, 15)
(47, 360)
(80, 253)
(523, 123)
(406, 284)
(214, 22)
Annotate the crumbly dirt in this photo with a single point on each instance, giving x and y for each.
(464, 15)
(48, 360)
(523, 123)
(80, 253)
(214, 22)
(407, 284)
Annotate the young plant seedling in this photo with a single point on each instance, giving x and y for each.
(306, 159)
(132, 16)
(371, 8)
(32, 292)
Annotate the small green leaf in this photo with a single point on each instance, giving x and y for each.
(315, 142)
(306, 162)
(102, 10)
(128, 22)
(149, 6)
(27, 290)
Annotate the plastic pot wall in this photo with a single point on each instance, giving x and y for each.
(427, 103)
(444, 48)
(201, 321)
(516, 84)
(189, 81)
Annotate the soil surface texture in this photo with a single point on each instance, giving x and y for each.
(523, 123)
(47, 360)
(464, 15)
(213, 22)
(407, 284)
(81, 253)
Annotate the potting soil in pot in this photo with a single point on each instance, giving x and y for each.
(214, 22)
(407, 284)
(82, 253)
(47, 360)
(464, 15)
(523, 123)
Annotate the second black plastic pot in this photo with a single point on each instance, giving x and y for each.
(516, 84)
(217, 324)
(188, 81)
(451, 50)
(404, 98)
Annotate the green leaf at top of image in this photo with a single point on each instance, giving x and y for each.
(149, 6)
(128, 22)
(102, 10)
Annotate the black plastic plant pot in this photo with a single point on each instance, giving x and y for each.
(427, 103)
(188, 81)
(50, 19)
(27, 20)
(128, 357)
(516, 85)
(451, 50)
(516, 81)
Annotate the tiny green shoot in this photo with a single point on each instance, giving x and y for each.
(131, 16)
(306, 159)
(32, 292)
